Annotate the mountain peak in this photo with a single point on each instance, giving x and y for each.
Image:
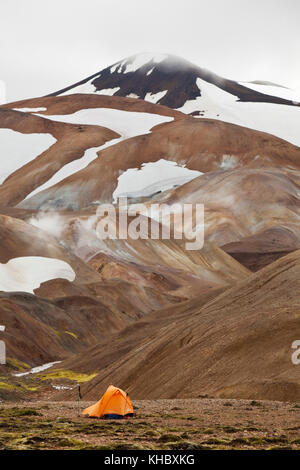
(171, 81)
(138, 61)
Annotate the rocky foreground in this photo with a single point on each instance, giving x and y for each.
(188, 424)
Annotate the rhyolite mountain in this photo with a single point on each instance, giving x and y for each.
(232, 146)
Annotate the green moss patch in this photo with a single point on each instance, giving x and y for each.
(68, 374)
(18, 365)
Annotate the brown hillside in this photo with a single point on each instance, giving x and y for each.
(238, 345)
(72, 141)
(72, 103)
(199, 144)
(39, 331)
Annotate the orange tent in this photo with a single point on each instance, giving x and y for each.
(115, 403)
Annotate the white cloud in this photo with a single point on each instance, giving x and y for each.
(258, 41)
(2, 92)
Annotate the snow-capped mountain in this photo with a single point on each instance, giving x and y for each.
(171, 81)
(174, 82)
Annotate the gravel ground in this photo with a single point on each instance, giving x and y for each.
(158, 424)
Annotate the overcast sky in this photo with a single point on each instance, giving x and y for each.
(46, 45)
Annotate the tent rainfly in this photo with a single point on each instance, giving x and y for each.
(115, 403)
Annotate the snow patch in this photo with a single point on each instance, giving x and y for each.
(150, 71)
(108, 91)
(62, 387)
(26, 274)
(155, 97)
(36, 370)
(126, 123)
(132, 95)
(153, 177)
(114, 67)
(30, 110)
(277, 119)
(87, 87)
(17, 149)
(273, 90)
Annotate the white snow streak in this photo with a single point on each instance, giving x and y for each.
(155, 97)
(30, 110)
(36, 370)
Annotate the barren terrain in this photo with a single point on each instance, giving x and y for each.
(191, 424)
